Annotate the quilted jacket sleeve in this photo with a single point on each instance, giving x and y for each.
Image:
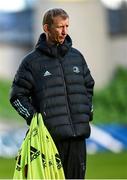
(21, 91)
(89, 84)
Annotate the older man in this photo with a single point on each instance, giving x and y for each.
(55, 81)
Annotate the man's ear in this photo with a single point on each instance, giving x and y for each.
(46, 28)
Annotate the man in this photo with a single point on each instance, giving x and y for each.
(54, 80)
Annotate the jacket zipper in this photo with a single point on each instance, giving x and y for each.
(65, 89)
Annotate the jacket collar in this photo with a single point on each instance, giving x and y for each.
(53, 50)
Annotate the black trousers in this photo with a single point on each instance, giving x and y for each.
(73, 156)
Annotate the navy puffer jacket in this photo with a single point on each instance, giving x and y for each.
(55, 81)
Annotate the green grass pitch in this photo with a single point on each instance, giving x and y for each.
(99, 166)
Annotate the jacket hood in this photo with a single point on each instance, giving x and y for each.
(53, 50)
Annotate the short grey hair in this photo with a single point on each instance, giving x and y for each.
(51, 13)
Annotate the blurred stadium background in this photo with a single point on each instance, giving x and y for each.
(99, 29)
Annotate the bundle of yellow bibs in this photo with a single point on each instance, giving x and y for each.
(38, 157)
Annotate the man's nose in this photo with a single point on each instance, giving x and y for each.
(64, 32)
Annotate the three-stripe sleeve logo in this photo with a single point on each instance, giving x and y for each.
(21, 108)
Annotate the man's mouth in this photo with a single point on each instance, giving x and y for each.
(62, 37)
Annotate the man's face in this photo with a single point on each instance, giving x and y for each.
(59, 30)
